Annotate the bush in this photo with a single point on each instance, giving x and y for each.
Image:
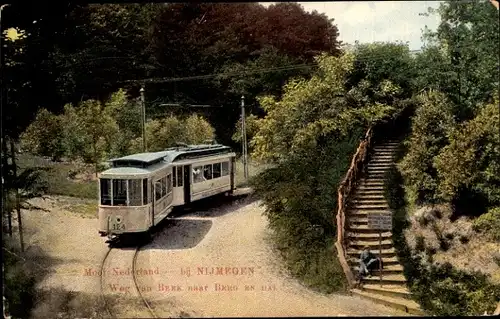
(445, 291)
(165, 133)
(439, 289)
(20, 279)
(56, 178)
(489, 223)
(44, 136)
(300, 195)
(472, 160)
(432, 121)
(63, 304)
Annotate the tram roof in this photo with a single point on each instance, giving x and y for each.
(169, 155)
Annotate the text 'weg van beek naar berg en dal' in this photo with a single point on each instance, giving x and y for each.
(185, 272)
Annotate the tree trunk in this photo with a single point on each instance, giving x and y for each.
(18, 206)
(5, 190)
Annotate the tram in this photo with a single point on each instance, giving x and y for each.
(140, 190)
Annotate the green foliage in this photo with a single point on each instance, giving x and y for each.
(251, 84)
(379, 62)
(313, 109)
(467, 38)
(431, 124)
(127, 114)
(441, 290)
(445, 291)
(298, 196)
(99, 130)
(55, 178)
(251, 126)
(472, 159)
(19, 280)
(45, 136)
(489, 223)
(164, 133)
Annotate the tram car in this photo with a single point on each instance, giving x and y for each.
(140, 190)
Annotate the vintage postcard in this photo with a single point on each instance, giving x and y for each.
(260, 159)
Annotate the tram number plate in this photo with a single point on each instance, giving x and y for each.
(118, 227)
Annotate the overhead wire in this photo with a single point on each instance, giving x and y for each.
(372, 57)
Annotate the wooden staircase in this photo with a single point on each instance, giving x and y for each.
(367, 198)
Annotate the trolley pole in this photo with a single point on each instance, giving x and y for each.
(244, 138)
(143, 115)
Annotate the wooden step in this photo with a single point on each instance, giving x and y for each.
(382, 155)
(395, 279)
(385, 252)
(362, 229)
(368, 237)
(377, 170)
(374, 196)
(364, 187)
(381, 158)
(387, 270)
(378, 165)
(371, 182)
(375, 201)
(384, 152)
(388, 261)
(358, 206)
(354, 213)
(373, 172)
(385, 148)
(388, 290)
(408, 306)
(374, 245)
(383, 165)
(366, 179)
(357, 212)
(368, 192)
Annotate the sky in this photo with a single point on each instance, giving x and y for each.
(377, 21)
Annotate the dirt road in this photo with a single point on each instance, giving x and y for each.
(203, 264)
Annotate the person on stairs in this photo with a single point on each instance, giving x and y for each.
(367, 262)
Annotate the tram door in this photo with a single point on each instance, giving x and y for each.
(187, 184)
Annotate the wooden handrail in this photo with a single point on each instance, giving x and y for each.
(358, 163)
(344, 191)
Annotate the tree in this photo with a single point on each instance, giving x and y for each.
(45, 136)
(377, 62)
(468, 38)
(127, 114)
(251, 126)
(99, 129)
(430, 126)
(313, 109)
(167, 132)
(472, 159)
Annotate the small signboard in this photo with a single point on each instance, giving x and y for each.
(381, 221)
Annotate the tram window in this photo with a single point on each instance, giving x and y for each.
(145, 198)
(169, 184)
(105, 192)
(197, 174)
(216, 170)
(158, 185)
(225, 168)
(134, 192)
(207, 171)
(164, 186)
(179, 176)
(119, 192)
(174, 177)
